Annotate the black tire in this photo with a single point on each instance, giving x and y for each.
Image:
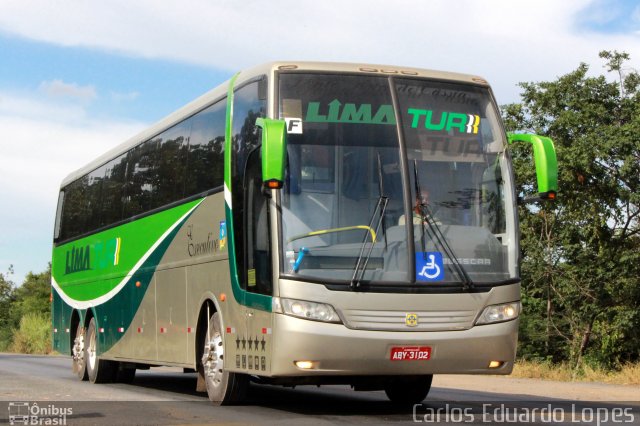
(123, 374)
(409, 390)
(98, 370)
(223, 386)
(79, 365)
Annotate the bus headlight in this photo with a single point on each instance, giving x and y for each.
(308, 310)
(499, 313)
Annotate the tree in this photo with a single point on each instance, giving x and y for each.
(32, 297)
(6, 298)
(581, 254)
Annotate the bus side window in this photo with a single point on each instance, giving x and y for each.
(58, 222)
(74, 210)
(171, 164)
(112, 190)
(140, 184)
(205, 161)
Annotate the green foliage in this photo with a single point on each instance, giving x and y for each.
(18, 303)
(6, 298)
(32, 296)
(34, 335)
(581, 254)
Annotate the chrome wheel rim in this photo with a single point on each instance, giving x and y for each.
(78, 351)
(213, 360)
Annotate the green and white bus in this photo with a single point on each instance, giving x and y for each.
(303, 223)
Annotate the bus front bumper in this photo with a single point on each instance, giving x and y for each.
(333, 349)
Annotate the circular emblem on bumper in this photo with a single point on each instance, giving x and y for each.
(411, 320)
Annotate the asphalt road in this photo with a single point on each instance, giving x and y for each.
(44, 389)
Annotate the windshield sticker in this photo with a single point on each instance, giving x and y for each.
(337, 112)
(448, 121)
(294, 126)
(469, 261)
(429, 266)
(440, 95)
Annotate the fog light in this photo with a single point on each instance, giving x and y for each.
(305, 365)
(495, 364)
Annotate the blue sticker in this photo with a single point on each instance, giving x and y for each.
(223, 234)
(429, 266)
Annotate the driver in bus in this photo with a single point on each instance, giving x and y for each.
(421, 200)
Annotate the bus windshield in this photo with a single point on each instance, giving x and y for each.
(434, 152)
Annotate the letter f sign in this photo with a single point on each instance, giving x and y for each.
(294, 126)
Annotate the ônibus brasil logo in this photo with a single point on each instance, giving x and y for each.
(24, 413)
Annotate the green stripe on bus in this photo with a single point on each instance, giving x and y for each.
(120, 310)
(91, 267)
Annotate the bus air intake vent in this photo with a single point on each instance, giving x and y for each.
(396, 320)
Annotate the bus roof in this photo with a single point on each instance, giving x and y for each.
(266, 69)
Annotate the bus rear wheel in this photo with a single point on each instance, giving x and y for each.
(408, 390)
(98, 370)
(79, 364)
(223, 386)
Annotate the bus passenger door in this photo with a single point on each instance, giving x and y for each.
(258, 278)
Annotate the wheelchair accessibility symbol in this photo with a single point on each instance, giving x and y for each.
(429, 266)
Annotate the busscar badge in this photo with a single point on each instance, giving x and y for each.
(411, 320)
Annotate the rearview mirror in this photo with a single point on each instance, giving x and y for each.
(544, 155)
(274, 148)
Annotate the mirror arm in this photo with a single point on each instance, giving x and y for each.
(546, 163)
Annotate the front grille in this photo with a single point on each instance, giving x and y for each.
(396, 320)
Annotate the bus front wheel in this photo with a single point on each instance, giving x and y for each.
(223, 386)
(408, 390)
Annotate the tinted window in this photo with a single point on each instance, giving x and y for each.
(94, 198)
(171, 157)
(112, 190)
(141, 180)
(74, 210)
(185, 160)
(58, 224)
(205, 163)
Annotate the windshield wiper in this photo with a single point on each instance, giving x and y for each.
(381, 194)
(381, 206)
(427, 217)
(441, 240)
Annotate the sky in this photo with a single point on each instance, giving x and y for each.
(78, 77)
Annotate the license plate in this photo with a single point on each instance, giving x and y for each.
(410, 353)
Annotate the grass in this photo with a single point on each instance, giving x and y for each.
(628, 374)
(33, 336)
